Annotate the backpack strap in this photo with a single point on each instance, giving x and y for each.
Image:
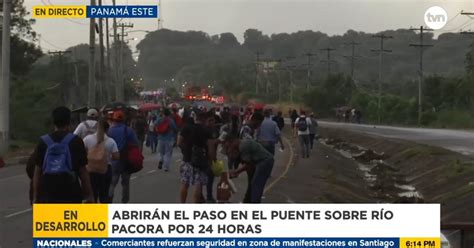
(68, 138)
(86, 125)
(47, 140)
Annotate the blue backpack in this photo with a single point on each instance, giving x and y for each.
(57, 159)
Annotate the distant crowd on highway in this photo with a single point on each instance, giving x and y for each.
(85, 164)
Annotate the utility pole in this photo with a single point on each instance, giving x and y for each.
(101, 60)
(309, 55)
(328, 60)
(471, 74)
(62, 68)
(108, 69)
(353, 56)
(160, 15)
(92, 84)
(121, 83)
(421, 47)
(381, 51)
(290, 74)
(5, 84)
(116, 58)
(257, 64)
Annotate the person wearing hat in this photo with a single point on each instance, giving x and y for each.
(122, 135)
(89, 126)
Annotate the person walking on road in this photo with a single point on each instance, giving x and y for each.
(213, 125)
(197, 148)
(123, 136)
(313, 130)
(139, 125)
(89, 126)
(102, 150)
(152, 136)
(268, 134)
(280, 121)
(60, 174)
(293, 117)
(302, 126)
(166, 130)
(256, 161)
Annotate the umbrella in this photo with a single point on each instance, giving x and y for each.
(83, 109)
(114, 106)
(174, 105)
(149, 106)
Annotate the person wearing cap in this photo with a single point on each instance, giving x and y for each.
(89, 126)
(122, 135)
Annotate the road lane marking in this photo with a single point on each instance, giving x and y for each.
(18, 213)
(287, 168)
(152, 171)
(12, 177)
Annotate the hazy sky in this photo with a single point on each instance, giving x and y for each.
(270, 16)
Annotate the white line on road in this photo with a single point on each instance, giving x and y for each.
(18, 213)
(12, 177)
(152, 171)
(286, 168)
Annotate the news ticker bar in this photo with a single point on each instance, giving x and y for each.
(240, 242)
(83, 11)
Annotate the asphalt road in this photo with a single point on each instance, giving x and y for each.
(148, 186)
(455, 140)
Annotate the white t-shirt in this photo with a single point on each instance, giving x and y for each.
(110, 146)
(308, 123)
(81, 129)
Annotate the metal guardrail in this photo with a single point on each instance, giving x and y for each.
(463, 235)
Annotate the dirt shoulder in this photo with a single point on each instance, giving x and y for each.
(347, 167)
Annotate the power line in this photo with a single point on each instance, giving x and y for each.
(421, 47)
(380, 51)
(353, 55)
(49, 43)
(309, 64)
(328, 60)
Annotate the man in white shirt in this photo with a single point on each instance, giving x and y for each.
(89, 126)
(302, 126)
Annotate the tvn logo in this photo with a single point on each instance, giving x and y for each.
(436, 17)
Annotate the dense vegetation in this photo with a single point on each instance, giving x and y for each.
(221, 61)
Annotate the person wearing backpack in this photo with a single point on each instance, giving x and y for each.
(89, 126)
(197, 147)
(302, 126)
(166, 129)
(60, 174)
(124, 136)
(101, 151)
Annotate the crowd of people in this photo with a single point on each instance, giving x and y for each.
(87, 164)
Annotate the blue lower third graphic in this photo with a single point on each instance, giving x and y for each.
(122, 11)
(216, 242)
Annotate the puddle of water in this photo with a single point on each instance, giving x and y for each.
(406, 187)
(411, 194)
(354, 151)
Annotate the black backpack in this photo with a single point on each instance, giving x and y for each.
(302, 124)
(198, 153)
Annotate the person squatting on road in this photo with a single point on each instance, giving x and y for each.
(166, 130)
(255, 160)
(60, 174)
(123, 136)
(197, 147)
(101, 151)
